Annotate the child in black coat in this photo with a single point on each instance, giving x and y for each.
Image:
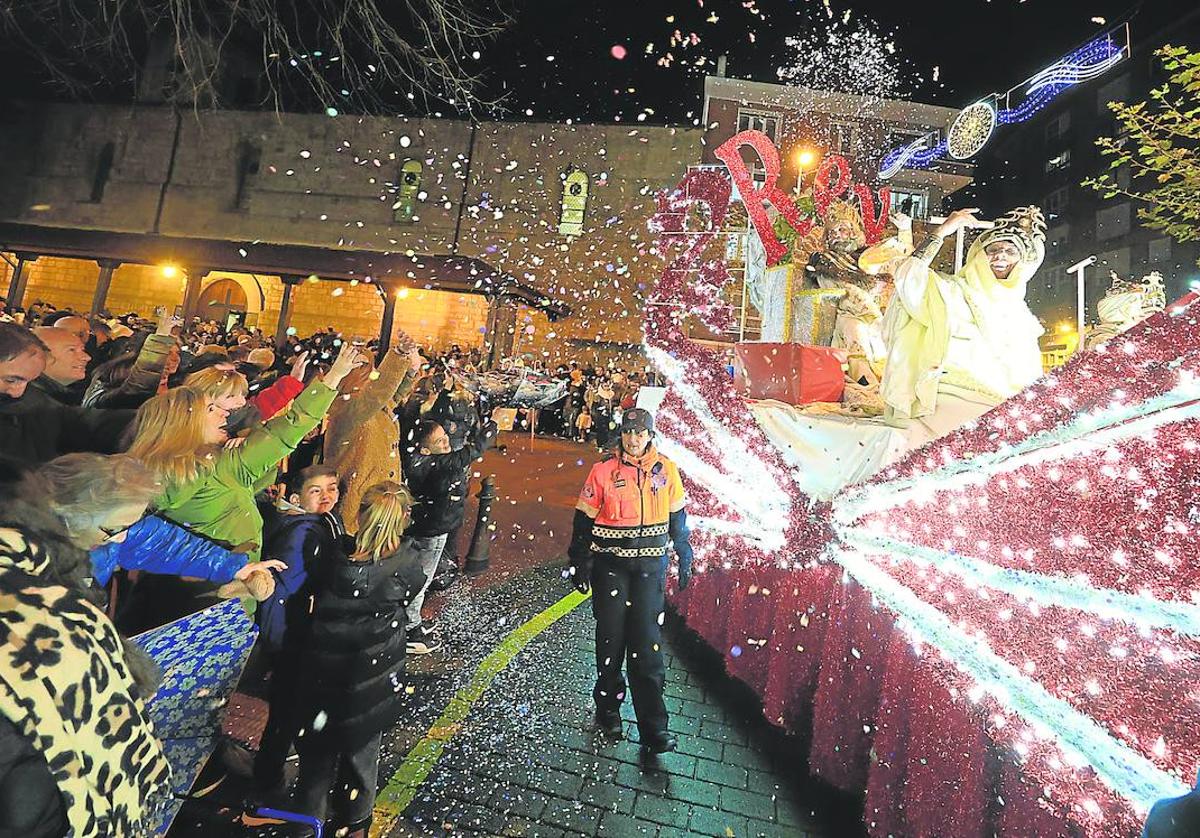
(353, 688)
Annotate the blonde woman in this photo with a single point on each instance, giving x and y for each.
(228, 388)
(353, 661)
(209, 487)
(362, 441)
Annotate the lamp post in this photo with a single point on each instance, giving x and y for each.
(1078, 269)
(804, 159)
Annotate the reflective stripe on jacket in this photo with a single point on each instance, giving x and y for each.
(631, 505)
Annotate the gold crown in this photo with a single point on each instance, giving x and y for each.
(1024, 226)
(842, 212)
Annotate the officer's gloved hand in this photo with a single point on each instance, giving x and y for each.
(581, 574)
(685, 575)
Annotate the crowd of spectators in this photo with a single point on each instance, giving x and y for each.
(148, 470)
(595, 399)
(151, 468)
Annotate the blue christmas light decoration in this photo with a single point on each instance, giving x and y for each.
(1023, 101)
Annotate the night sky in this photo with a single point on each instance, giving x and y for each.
(978, 47)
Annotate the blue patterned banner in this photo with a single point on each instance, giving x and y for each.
(201, 657)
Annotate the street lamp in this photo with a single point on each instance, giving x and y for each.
(804, 159)
(1078, 269)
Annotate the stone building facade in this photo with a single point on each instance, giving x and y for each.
(465, 231)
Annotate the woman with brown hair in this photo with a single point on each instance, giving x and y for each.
(362, 441)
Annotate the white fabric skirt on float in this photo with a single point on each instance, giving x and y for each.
(830, 451)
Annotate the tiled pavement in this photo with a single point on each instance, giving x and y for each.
(526, 760)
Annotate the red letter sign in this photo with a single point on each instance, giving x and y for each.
(754, 197)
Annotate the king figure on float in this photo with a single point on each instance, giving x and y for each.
(1125, 304)
(858, 273)
(960, 344)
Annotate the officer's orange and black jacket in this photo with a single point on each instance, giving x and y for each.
(634, 506)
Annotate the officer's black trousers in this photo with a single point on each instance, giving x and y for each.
(627, 599)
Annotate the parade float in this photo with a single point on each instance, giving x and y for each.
(990, 629)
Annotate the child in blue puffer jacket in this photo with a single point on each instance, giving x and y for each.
(155, 545)
(306, 532)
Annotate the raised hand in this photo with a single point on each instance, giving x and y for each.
(300, 365)
(350, 358)
(962, 219)
(166, 322)
(415, 359)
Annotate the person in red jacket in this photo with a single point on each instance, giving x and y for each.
(631, 507)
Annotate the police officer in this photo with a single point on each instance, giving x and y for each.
(631, 506)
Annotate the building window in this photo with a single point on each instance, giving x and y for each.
(404, 211)
(1059, 162)
(764, 121)
(1159, 253)
(1056, 203)
(842, 136)
(1116, 90)
(1112, 221)
(104, 164)
(249, 160)
(1058, 238)
(1058, 126)
(1054, 276)
(574, 202)
(912, 202)
(901, 137)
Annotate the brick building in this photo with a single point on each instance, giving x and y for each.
(806, 125)
(454, 232)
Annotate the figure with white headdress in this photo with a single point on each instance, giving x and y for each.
(1125, 304)
(959, 344)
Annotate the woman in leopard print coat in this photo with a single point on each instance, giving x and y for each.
(78, 755)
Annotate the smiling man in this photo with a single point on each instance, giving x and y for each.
(960, 344)
(35, 428)
(66, 365)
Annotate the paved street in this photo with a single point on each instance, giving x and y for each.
(499, 740)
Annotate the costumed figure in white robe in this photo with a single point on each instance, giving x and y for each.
(960, 344)
(1125, 305)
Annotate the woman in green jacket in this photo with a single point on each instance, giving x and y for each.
(209, 484)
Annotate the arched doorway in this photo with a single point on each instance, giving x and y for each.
(223, 301)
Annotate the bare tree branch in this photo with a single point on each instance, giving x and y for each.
(356, 54)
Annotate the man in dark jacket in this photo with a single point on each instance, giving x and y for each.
(34, 428)
(438, 478)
